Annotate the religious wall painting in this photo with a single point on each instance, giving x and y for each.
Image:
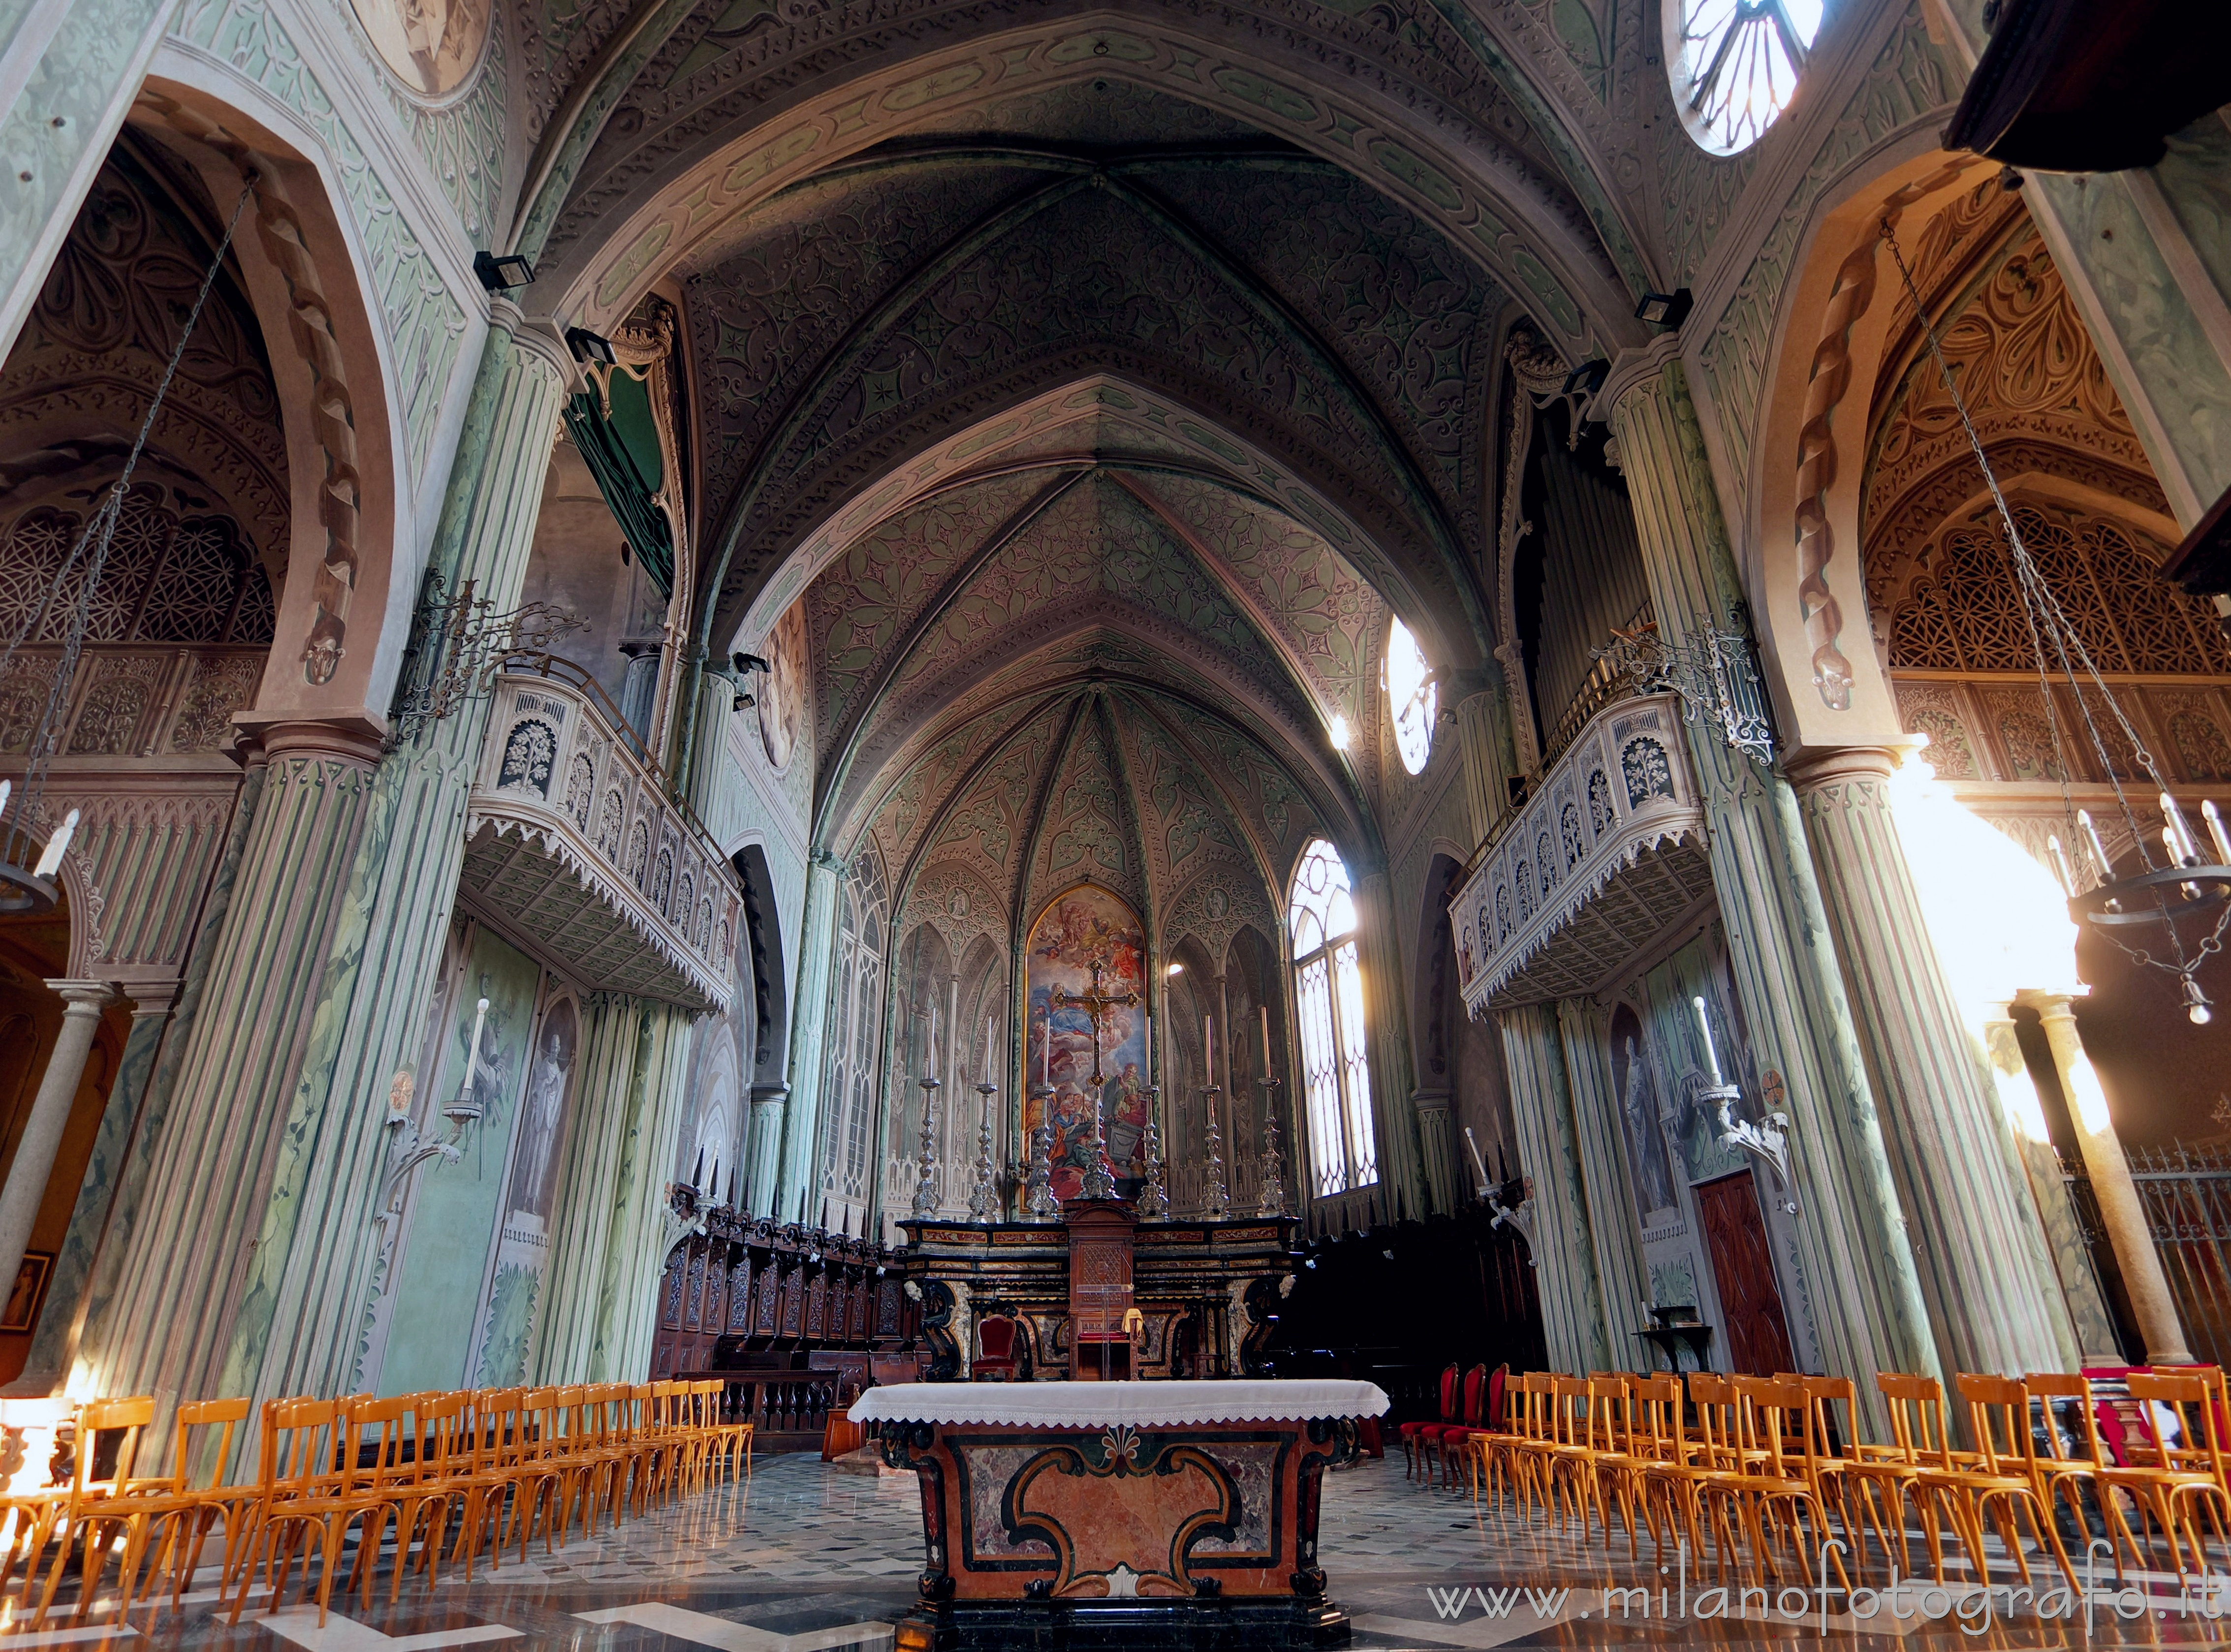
(1649, 1165)
(1087, 926)
(431, 46)
(781, 688)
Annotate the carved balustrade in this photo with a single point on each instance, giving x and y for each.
(573, 842)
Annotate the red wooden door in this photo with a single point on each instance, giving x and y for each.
(1750, 1301)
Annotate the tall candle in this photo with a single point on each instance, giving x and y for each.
(2098, 850)
(1711, 1055)
(1479, 1166)
(472, 1050)
(930, 1058)
(1266, 1041)
(2181, 850)
(987, 1049)
(1208, 1046)
(952, 1030)
(1046, 1052)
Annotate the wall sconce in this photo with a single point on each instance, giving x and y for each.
(1667, 310)
(502, 272)
(407, 1148)
(1767, 1141)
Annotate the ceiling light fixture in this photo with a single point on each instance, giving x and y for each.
(502, 272)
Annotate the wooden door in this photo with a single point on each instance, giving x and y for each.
(1757, 1337)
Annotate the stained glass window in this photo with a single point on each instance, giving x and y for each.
(1413, 695)
(1329, 995)
(1735, 65)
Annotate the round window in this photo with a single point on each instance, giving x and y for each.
(1736, 63)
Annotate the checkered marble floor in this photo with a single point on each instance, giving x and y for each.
(804, 1558)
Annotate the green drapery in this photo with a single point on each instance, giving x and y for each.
(623, 451)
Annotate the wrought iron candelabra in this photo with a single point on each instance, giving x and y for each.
(1039, 1203)
(1218, 1203)
(925, 1187)
(1099, 1179)
(1268, 1169)
(1154, 1198)
(984, 1201)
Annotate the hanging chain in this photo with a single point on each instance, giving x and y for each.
(99, 532)
(2037, 600)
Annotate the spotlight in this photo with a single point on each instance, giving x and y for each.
(1664, 309)
(743, 702)
(743, 662)
(588, 347)
(1587, 378)
(1175, 968)
(499, 273)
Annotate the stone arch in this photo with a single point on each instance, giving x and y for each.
(310, 278)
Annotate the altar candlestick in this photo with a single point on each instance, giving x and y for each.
(472, 1050)
(1266, 1041)
(1711, 1055)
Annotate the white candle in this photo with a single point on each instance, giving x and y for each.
(2060, 864)
(1478, 1164)
(987, 1049)
(1711, 1055)
(56, 847)
(2098, 850)
(472, 1050)
(1266, 1041)
(953, 1028)
(1046, 1052)
(1208, 1046)
(929, 1057)
(2182, 850)
(2214, 820)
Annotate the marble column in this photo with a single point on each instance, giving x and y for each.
(1864, 1292)
(1562, 1243)
(2121, 1212)
(1386, 1021)
(68, 72)
(26, 1186)
(274, 1295)
(790, 1195)
(53, 1341)
(1986, 1270)
(1584, 1026)
(2090, 1319)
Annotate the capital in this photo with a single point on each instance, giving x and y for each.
(83, 997)
(1815, 771)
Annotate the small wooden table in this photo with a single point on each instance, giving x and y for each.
(1121, 1514)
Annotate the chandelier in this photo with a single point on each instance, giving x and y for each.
(2172, 913)
(35, 890)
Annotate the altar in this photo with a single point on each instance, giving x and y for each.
(1119, 1513)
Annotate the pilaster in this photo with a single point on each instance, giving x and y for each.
(1562, 1243)
(1986, 1270)
(763, 1147)
(1486, 794)
(1445, 1182)
(1851, 1240)
(1584, 1031)
(637, 1184)
(1401, 1168)
(790, 1195)
(613, 1036)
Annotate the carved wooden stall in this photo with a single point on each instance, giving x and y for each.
(788, 1316)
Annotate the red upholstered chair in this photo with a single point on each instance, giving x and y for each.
(1444, 1442)
(996, 1360)
(1412, 1433)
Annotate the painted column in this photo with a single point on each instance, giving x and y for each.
(68, 72)
(1584, 1029)
(1447, 1182)
(180, 1286)
(26, 1187)
(1480, 748)
(2090, 1319)
(2121, 1212)
(1849, 1239)
(1386, 1024)
(54, 1342)
(626, 1297)
(1986, 1270)
(788, 1195)
(763, 1147)
(612, 1045)
(273, 1296)
(1562, 1245)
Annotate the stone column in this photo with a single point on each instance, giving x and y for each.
(2121, 1212)
(54, 1340)
(1986, 1270)
(1480, 745)
(788, 1195)
(26, 1187)
(273, 1297)
(68, 72)
(1584, 1029)
(763, 1147)
(1562, 1243)
(2089, 1317)
(1862, 1289)
(609, 1069)
(1386, 1023)
(635, 1255)
(1448, 1182)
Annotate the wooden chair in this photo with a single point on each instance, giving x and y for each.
(1777, 1478)
(2183, 1479)
(1679, 1474)
(487, 1470)
(730, 1434)
(2004, 1476)
(2065, 1468)
(300, 1469)
(183, 1513)
(1886, 1478)
(1412, 1459)
(80, 1514)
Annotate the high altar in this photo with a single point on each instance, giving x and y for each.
(1119, 1513)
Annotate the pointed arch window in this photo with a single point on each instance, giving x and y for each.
(1329, 1000)
(1413, 696)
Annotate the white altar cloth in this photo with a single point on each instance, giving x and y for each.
(1091, 1406)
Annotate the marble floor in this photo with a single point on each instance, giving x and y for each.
(806, 1558)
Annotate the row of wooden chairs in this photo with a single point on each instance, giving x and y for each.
(1754, 1462)
(491, 1466)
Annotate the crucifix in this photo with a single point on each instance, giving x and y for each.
(1099, 1181)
